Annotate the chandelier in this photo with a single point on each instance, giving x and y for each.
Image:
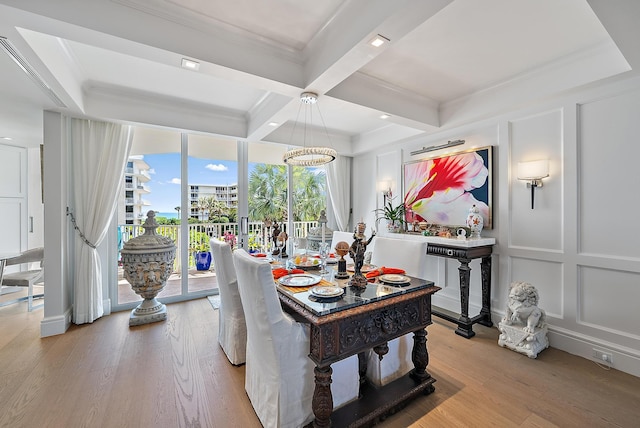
(309, 156)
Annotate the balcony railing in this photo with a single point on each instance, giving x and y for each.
(256, 234)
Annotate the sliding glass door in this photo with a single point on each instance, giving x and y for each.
(203, 187)
(190, 182)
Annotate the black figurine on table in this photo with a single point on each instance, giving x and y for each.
(356, 251)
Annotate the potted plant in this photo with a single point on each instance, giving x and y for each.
(201, 251)
(393, 215)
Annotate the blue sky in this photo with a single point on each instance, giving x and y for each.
(165, 177)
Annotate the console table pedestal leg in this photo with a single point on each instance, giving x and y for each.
(485, 312)
(465, 326)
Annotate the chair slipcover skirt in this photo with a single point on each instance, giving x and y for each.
(232, 334)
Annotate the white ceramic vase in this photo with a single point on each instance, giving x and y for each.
(475, 222)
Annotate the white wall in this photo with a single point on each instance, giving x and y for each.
(35, 220)
(578, 247)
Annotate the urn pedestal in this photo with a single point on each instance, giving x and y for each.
(148, 262)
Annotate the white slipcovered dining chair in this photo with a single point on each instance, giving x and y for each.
(279, 375)
(407, 255)
(26, 278)
(232, 333)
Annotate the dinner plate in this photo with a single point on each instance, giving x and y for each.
(365, 268)
(327, 291)
(299, 280)
(308, 265)
(393, 278)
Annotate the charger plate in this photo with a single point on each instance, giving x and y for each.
(299, 280)
(393, 278)
(326, 291)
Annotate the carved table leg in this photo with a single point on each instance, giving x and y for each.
(420, 355)
(465, 326)
(381, 350)
(485, 312)
(362, 367)
(322, 403)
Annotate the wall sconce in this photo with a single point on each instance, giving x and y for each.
(533, 172)
(385, 188)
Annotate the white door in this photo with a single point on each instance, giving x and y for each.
(13, 198)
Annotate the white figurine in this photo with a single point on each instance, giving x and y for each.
(524, 327)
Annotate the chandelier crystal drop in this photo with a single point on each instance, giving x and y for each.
(309, 156)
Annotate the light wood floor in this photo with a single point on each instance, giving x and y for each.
(174, 374)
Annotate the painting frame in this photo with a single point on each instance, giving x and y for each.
(441, 189)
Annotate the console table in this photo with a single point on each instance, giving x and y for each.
(465, 251)
(361, 320)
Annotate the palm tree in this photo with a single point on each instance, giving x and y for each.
(268, 193)
(177, 209)
(309, 194)
(212, 206)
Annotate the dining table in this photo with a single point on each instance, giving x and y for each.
(351, 321)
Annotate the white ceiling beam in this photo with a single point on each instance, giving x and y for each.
(118, 104)
(404, 107)
(274, 108)
(166, 39)
(620, 19)
(334, 57)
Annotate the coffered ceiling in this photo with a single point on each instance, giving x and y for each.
(447, 62)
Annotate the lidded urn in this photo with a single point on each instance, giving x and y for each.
(475, 222)
(148, 263)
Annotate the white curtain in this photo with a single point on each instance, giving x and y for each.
(339, 189)
(99, 154)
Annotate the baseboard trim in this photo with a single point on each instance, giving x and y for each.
(624, 359)
(52, 326)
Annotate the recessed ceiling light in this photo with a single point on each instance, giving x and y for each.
(273, 123)
(190, 64)
(7, 138)
(378, 41)
(384, 116)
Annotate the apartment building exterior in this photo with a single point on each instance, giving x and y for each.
(227, 193)
(136, 175)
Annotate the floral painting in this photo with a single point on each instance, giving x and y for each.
(442, 190)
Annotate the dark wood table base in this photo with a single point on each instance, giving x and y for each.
(375, 404)
(361, 326)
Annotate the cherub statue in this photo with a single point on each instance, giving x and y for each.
(523, 307)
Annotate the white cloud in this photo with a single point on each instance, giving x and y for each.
(175, 181)
(152, 171)
(217, 168)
